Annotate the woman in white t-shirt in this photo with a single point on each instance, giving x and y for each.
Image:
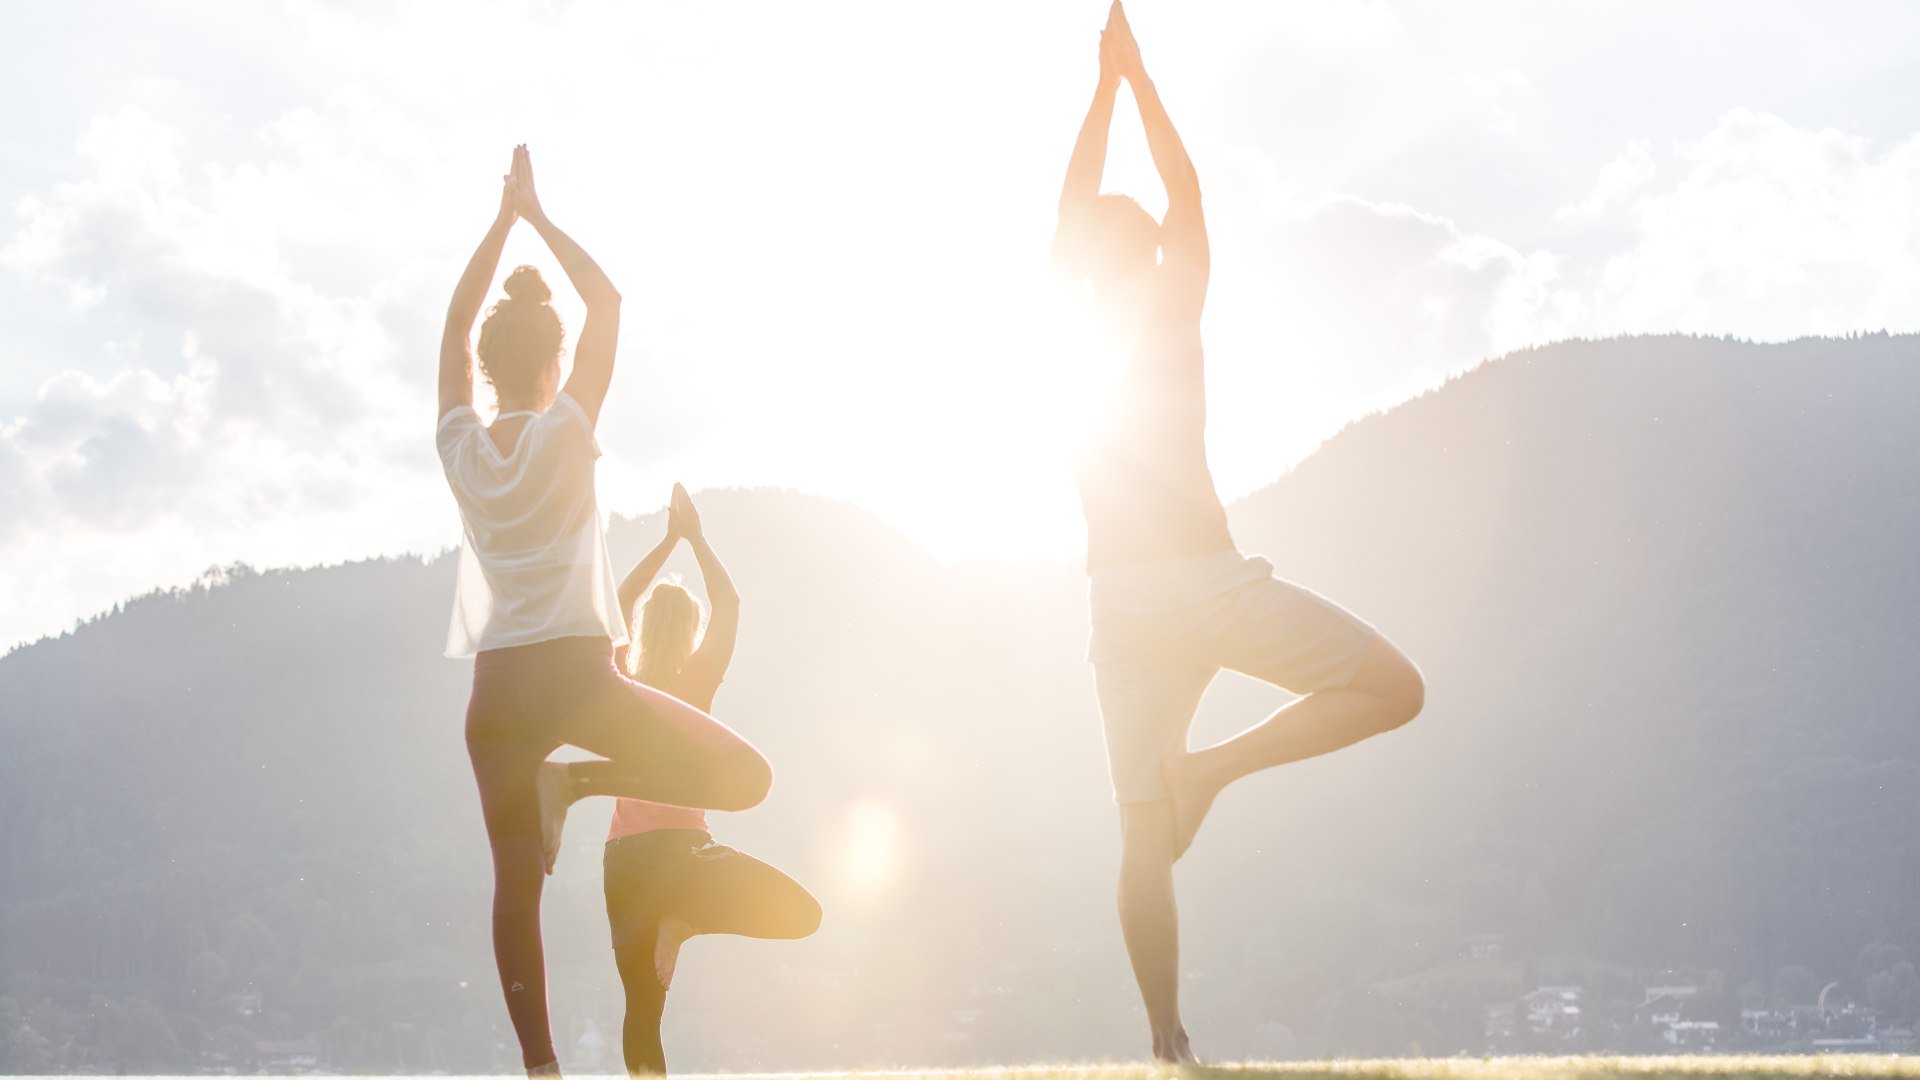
(534, 603)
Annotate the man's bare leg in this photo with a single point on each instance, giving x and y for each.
(1386, 693)
(1150, 922)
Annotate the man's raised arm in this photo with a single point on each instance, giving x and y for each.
(1089, 158)
(1183, 235)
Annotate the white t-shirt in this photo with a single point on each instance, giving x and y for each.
(533, 563)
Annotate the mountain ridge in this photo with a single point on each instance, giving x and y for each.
(1657, 586)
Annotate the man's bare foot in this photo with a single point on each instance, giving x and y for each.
(674, 931)
(555, 794)
(1192, 796)
(1173, 1047)
(551, 1068)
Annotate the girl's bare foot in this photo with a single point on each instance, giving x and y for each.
(555, 794)
(674, 931)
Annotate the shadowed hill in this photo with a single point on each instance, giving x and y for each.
(1659, 586)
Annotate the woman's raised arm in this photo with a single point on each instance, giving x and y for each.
(593, 356)
(456, 339)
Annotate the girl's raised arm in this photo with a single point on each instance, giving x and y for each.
(723, 623)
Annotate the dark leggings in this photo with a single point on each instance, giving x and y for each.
(527, 701)
(714, 889)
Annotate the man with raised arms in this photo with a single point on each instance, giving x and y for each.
(1172, 600)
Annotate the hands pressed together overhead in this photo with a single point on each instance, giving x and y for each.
(518, 198)
(1119, 52)
(683, 518)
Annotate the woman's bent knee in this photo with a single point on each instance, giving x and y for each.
(741, 780)
(806, 916)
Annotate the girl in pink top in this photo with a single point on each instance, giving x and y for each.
(666, 880)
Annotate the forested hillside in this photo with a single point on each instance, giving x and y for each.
(1662, 590)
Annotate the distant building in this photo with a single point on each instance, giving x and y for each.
(1766, 1024)
(1664, 1012)
(1665, 1005)
(1553, 1012)
(243, 1005)
(1693, 1034)
(287, 1055)
(1485, 946)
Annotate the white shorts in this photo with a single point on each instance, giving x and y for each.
(1162, 630)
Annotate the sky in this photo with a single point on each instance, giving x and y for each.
(228, 233)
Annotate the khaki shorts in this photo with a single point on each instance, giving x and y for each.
(1162, 630)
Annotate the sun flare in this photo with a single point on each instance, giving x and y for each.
(871, 847)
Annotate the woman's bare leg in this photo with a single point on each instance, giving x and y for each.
(653, 746)
(659, 748)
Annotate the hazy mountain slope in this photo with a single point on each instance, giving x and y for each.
(1660, 588)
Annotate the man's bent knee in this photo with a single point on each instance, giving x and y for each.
(1402, 691)
(1394, 683)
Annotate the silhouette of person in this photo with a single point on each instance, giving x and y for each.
(666, 879)
(1172, 601)
(534, 599)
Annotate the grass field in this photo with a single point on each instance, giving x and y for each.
(1729, 1067)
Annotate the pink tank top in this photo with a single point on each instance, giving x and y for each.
(696, 685)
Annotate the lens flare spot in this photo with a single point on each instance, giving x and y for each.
(872, 851)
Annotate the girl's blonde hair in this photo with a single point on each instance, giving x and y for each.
(664, 633)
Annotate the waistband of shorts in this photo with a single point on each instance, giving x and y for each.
(1165, 572)
(541, 653)
(652, 839)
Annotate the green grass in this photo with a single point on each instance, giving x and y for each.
(1720, 1067)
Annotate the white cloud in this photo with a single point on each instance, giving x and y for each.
(1340, 300)
(1769, 230)
(233, 303)
(1759, 228)
(1618, 179)
(214, 407)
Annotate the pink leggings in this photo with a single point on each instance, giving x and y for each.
(527, 701)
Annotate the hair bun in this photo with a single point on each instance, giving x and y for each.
(527, 286)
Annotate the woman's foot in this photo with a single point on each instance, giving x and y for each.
(551, 1068)
(674, 931)
(554, 787)
(1192, 795)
